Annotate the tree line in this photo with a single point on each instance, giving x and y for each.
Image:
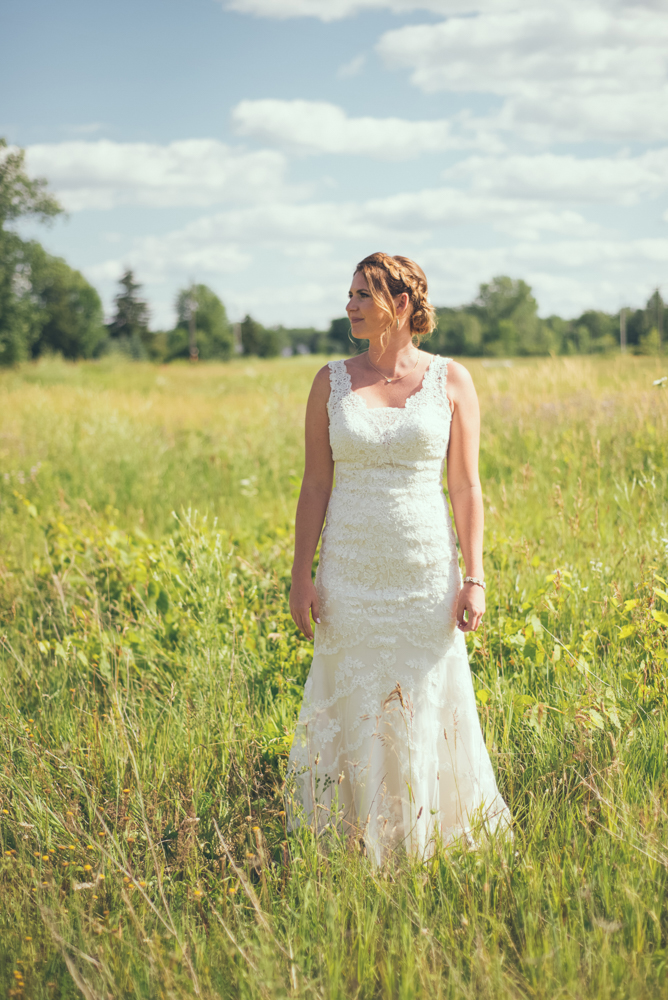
(48, 307)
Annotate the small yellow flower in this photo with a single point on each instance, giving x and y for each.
(73, 847)
(31, 720)
(94, 897)
(232, 889)
(6, 812)
(61, 847)
(45, 857)
(125, 878)
(27, 939)
(101, 875)
(69, 813)
(88, 868)
(90, 847)
(198, 892)
(142, 883)
(126, 791)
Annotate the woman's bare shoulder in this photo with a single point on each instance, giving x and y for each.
(458, 375)
(320, 387)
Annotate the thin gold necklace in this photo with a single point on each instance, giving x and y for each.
(395, 378)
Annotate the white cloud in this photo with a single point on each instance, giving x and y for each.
(567, 70)
(335, 10)
(319, 127)
(621, 179)
(352, 68)
(196, 172)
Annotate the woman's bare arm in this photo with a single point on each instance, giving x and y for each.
(465, 491)
(312, 504)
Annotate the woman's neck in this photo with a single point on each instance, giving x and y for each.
(399, 353)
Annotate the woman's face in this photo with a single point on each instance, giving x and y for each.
(367, 320)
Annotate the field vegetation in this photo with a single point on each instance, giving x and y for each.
(151, 676)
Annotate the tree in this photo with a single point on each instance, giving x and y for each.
(214, 335)
(20, 196)
(509, 316)
(71, 310)
(129, 327)
(259, 340)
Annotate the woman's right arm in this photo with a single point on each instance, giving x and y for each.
(312, 504)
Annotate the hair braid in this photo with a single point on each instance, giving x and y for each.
(388, 277)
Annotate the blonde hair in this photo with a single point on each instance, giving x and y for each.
(388, 277)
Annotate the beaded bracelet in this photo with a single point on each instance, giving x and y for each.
(474, 579)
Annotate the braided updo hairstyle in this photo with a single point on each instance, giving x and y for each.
(388, 277)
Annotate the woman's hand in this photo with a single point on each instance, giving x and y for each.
(472, 601)
(304, 599)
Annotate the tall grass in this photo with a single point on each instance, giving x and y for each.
(151, 676)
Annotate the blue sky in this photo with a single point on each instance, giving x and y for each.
(265, 146)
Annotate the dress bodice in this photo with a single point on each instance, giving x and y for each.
(414, 437)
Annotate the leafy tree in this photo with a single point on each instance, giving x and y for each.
(214, 335)
(259, 340)
(128, 329)
(20, 197)
(71, 310)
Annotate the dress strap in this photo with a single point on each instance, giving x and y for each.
(443, 380)
(339, 381)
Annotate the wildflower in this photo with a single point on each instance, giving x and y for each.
(90, 847)
(232, 889)
(88, 868)
(198, 892)
(45, 857)
(126, 791)
(27, 939)
(142, 883)
(6, 812)
(100, 875)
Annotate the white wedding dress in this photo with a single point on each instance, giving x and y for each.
(388, 743)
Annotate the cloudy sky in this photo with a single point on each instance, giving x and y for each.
(263, 147)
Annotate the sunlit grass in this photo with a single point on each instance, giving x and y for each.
(151, 676)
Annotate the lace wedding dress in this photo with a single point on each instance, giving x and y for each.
(388, 742)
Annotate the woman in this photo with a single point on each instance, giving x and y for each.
(388, 744)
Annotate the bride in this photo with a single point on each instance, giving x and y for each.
(388, 744)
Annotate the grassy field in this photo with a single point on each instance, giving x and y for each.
(151, 676)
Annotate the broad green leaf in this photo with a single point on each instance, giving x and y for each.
(662, 594)
(661, 617)
(630, 605)
(627, 631)
(596, 718)
(482, 696)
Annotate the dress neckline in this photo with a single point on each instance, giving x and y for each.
(413, 395)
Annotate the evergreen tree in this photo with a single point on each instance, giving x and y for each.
(129, 327)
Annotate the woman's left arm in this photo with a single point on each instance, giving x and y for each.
(465, 491)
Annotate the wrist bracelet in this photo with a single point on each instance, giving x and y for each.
(474, 579)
